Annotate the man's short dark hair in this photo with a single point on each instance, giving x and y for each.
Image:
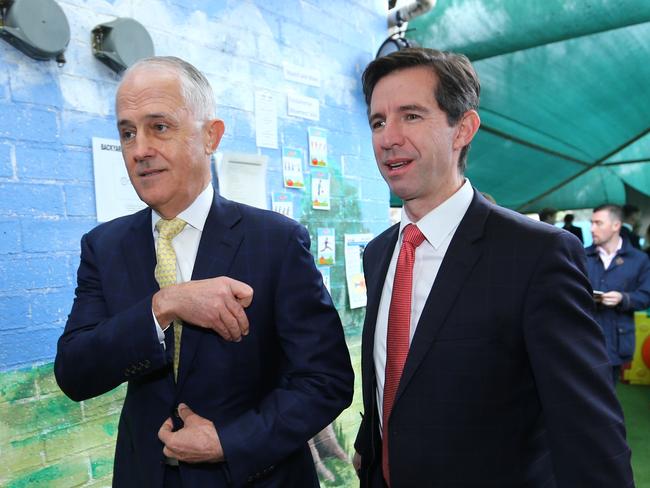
(458, 87)
(614, 210)
(545, 213)
(568, 219)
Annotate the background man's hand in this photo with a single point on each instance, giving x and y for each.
(611, 298)
(215, 303)
(196, 442)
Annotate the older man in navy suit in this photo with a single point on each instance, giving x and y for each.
(482, 364)
(224, 387)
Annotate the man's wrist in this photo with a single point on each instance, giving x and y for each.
(160, 304)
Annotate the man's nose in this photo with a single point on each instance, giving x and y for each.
(142, 149)
(392, 135)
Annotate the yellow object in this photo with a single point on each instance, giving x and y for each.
(638, 373)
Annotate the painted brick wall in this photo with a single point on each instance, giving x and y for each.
(48, 115)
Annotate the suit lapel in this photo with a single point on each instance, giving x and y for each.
(375, 277)
(220, 240)
(464, 251)
(140, 254)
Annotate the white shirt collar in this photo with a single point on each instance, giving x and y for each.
(442, 220)
(196, 214)
(603, 252)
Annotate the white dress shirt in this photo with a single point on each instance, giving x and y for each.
(438, 227)
(607, 258)
(186, 243)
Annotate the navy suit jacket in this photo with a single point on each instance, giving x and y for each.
(507, 382)
(267, 395)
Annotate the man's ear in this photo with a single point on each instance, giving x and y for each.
(467, 128)
(213, 132)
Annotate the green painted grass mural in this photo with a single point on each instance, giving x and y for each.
(49, 441)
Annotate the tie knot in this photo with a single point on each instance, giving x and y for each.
(168, 229)
(413, 235)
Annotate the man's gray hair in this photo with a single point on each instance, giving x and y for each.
(195, 87)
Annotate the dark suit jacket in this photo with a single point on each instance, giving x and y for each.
(507, 382)
(575, 230)
(631, 237)
(267, 395)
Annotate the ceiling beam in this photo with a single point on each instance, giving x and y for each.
(532, 145)
(595, 164)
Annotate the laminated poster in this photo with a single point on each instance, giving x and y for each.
(355, 244)
(325, 271)
(282, 204)
(320, 190)
(292, 168)
(326, 246)
(317, 147)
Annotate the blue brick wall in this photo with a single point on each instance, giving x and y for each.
(6, 166)
(48, 115)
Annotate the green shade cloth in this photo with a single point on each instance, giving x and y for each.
(565, 101)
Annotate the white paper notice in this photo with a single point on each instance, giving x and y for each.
(355, 244)
(304, 107)
(114, 194)
(266, 120)
(242, 178)
(302, 75)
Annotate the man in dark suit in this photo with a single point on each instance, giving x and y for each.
(224, 387)
(574, 229)
(631, 218)
(482, 365)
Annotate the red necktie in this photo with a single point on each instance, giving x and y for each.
(399, 326)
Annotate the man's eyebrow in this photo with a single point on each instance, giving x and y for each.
(152, 116)
(375, 115)
(411, 107)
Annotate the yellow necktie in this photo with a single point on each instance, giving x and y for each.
(166, 271)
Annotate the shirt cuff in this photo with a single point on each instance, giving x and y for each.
(159, 331)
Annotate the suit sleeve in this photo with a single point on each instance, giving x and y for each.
(317, 382)
(639, 297)
(584, 422)
(99, 351)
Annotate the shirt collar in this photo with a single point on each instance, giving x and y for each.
(196, 214)
(442, 220)
(603, 252)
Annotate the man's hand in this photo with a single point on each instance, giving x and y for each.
(356, 462)
(215, 303)
(196, 442)
(611, 298)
